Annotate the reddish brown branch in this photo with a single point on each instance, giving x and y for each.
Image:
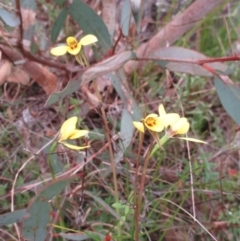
(174, 30)
(192, 61)
(27, 54)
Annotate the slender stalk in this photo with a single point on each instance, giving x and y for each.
(79, 60)
(191, 181)
(113, 165)
(139, 199)
(82, 56)
(146, 162)
(49, 160)
(58, 199)
(136, 214)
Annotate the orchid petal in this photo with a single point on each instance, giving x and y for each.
(181, 126)
(67, 128)
(192, 139)
(78, 133)
(161, 110)
(59, 50)
(71, 41)
(74, 51)
(170, 119)
(154, 123)
(139, 126)
(88, 39)
(73, 147)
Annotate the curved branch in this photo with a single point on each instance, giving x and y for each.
(174, 30)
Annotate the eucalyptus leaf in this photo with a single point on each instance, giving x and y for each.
(127, 128)
(110, 64)
(13, 217)
(126, 17)
(8, 18)
(179, 53)
(58, 24)
(90, 23)
(72, 86)
(229, 95)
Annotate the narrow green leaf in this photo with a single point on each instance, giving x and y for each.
(13, 217)
(136, 13)
(229, 95)
(72, 86)
(119, 205)
(126, 17)
(58, 24)
(35, 226)
(90, 23)
(94, 236)
(103, 204)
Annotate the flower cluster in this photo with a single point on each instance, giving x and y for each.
(172, 123)
(157, 123)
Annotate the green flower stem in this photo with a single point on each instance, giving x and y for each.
(52, 149)
(152, 150)
(142, 182)
(163, 140)
(58, 200)
(141, 135)
(79, 60)
(113, 165)
(84, 59)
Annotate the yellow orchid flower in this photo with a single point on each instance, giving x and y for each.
(156, 122)
(182, 127)
(68, 131)
(73, 46)
(178, 128)
(168, 119)
(152, 122)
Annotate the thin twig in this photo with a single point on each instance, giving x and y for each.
(194, 61)
(190, 166)
(28, 54)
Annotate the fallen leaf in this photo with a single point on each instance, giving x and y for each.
(5, 70)
(44, 78)
(18, 76)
